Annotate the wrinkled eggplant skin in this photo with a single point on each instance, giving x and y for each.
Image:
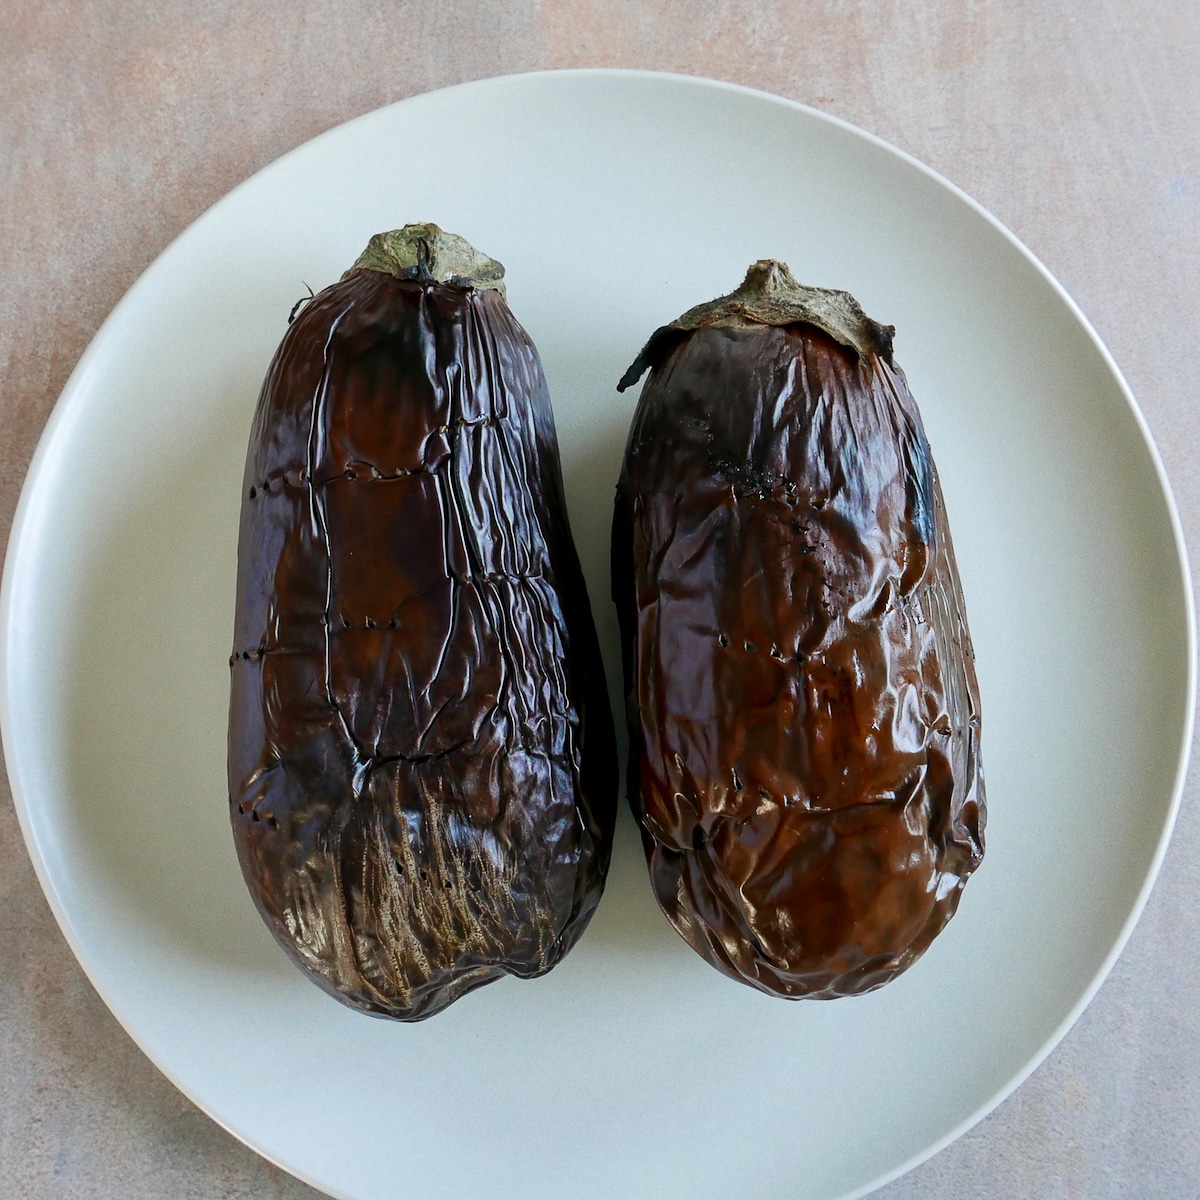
(802, 699)
(421, 753)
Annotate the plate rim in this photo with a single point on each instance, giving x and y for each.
(22, 545)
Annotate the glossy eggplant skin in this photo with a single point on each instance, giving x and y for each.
(801, 692)
(421, 754)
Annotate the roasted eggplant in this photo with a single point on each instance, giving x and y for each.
(801, 691)
(421, 754)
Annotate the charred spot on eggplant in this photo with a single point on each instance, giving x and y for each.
(801, 692)
(417, 696)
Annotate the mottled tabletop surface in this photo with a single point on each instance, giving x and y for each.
(1078, 126)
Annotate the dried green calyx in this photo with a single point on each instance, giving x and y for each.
(428, 254)
(770, 295)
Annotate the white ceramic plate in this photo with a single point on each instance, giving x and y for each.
(616, 200)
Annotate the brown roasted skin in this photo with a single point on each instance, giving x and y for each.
(421, 753)
(802, 699)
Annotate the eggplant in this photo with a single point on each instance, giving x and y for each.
(802, 699)
(421, 759)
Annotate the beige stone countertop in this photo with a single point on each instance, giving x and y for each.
(1078, 126)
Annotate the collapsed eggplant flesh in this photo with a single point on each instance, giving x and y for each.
(801, 692)
(421, 754)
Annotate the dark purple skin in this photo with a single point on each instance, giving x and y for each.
(802, 700)
(421, 753)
